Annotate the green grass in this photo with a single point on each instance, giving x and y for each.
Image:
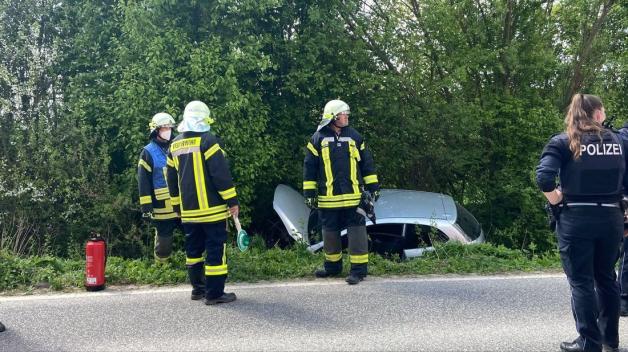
(26, 274)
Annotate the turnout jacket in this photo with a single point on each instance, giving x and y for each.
(151, 178)
(336, 167)
(199, 180)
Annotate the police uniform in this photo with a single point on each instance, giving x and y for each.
(623, 266)
(154, 197)
(201, 189)
(336, 167)
(589, 228)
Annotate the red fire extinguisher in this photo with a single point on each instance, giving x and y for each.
(95, 261)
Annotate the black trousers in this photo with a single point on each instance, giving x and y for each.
(334, 221)
(623, 271)
(164, 230)
(588, 241)
(209, 238)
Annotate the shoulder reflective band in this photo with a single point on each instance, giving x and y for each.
(145, 165)
(370, 179)
(311, 148)
(309, 184)
(211, 151)
(228, 194)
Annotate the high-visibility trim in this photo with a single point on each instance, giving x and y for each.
(203, 219)
(145, 200)
(145, 165)
(165, 216)
(199, 179)
(348, 196)
(333, 257)
(228, 194)
(162, 193)
(370, 179)
(192, 261)
(160, 259)
(309, 184)
(359, 259)
(166, 209)
(161, 190)
(353, 161)
(175, 200)
(363, 146)
(224, 254)
(311, 148)
(215, 270)
(329, 176)
(169, 162)
(341, 204)
(206, 211)
(211, 151)
(185, 143)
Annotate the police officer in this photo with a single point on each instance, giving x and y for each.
(623, 266)
(154, 197)
(336, 166)
(202, 190)
(591, 164)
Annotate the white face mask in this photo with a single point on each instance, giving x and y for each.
(165, 135)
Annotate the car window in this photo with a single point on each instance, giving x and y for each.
(468, 223)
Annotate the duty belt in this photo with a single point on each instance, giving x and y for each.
(608, 205)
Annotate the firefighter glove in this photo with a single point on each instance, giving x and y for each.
(310, 202)
(375, 195)
(147, 215)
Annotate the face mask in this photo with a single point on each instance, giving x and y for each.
(165, 135)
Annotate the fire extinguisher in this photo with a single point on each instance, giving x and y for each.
(95, 261)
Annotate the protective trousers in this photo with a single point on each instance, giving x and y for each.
(333, 222)
(164, 230)
(209, 238)
(623, 271)
(588, 242)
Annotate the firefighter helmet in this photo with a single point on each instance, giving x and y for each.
(195, 118)
(162, 119)
(331, 111)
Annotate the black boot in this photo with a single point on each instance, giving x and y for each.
(225, 298)
(354, 279)
(197, 279)
(2, 327)
(321, 273)
(574, 346)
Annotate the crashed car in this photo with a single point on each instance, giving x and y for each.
(408, 222)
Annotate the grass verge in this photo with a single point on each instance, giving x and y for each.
(19, 274)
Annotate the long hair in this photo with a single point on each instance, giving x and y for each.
(579, 119)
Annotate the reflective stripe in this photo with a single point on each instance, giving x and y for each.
(310, 146)
(340, 139)
(228, 194)
(165, 216)
(348, 196)
(192, 261)
(329, 177)
(166, 209)
(341, 204)
(145, 165)
(211, 151)
(209, 218)
(206, 211)
(145, 200)
(370, 179)
(224, 254)
(215, 270)
(199, 178)
(186, 143)
(309, 184)
(359, 259)
(353, 165)
(175, 200)
(363, 146)
(333, 257)
(162, 193)
(161, 190)
(169, 162)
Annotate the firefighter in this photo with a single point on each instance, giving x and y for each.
(337, 166)
(154, 198)
(202, 190)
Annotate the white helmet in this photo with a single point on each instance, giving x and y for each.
(162, 119)
(195, 118)
(331, 111)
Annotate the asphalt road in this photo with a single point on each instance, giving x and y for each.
(494, 313)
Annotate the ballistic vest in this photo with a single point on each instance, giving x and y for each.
(598, 174)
